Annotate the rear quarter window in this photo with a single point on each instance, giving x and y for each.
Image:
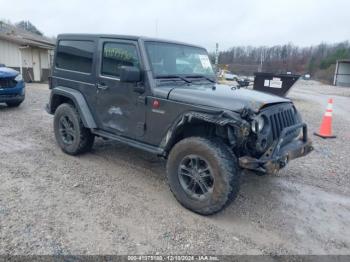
(75, 55)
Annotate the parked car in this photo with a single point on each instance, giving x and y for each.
(226, 75)
(230, 76)
(307, 77)
(12, 87)
(137, 91)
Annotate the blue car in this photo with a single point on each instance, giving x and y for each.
(12, 87)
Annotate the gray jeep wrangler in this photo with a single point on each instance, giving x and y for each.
(162, 97)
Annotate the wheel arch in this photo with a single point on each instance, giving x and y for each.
(60, 95)
(226, 125)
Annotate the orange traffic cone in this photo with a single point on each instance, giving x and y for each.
(326, 125)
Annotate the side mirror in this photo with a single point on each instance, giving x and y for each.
(130, 74)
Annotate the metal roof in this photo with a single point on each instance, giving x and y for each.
(343, 61)
(23, 37)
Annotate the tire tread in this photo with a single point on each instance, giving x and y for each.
(86, 138)
(227, 163)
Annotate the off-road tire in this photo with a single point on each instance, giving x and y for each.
(13, 103)
(226, 174)
(84, 138)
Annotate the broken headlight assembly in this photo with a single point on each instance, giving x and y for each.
(258, 124)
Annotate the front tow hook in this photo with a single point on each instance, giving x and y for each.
(284, 161)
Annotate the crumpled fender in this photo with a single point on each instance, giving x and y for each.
(237, 126)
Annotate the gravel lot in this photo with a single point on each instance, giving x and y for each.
(115, 200)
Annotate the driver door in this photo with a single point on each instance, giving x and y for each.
(117, 106)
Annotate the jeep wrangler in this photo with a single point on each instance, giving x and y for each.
(162, 97)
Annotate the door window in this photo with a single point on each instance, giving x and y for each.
(116, 55)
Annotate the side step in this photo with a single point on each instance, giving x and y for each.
(130, 142)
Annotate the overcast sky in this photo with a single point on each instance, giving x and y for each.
(228, 22)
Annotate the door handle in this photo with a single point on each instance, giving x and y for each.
(102, 86)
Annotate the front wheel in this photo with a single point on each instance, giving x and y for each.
(203, 175)
(70, 133)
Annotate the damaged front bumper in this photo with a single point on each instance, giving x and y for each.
(278, 155)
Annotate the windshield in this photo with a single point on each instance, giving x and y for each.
(174, 59)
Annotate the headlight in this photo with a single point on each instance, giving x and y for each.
(19, 78)
(258, 124)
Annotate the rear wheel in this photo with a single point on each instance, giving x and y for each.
(70, 133)
(203, 175)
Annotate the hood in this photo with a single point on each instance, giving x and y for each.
(8, 72)
(222, 96)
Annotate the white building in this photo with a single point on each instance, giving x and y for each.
(342, 73)
(26, 52)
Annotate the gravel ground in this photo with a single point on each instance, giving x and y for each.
(115, 200)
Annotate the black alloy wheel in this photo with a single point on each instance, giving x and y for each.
(67, 130)
(195, 176)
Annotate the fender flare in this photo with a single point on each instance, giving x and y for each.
(220, 118)
(79, 102)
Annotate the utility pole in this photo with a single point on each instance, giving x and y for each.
(261, 60)
(217, 57)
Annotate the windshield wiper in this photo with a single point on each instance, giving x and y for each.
(202, 76)
(173, 76)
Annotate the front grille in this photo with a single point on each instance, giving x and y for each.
(281, 119)
(2, 96)
(7, 82)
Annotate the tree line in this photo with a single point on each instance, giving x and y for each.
(319, 60)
